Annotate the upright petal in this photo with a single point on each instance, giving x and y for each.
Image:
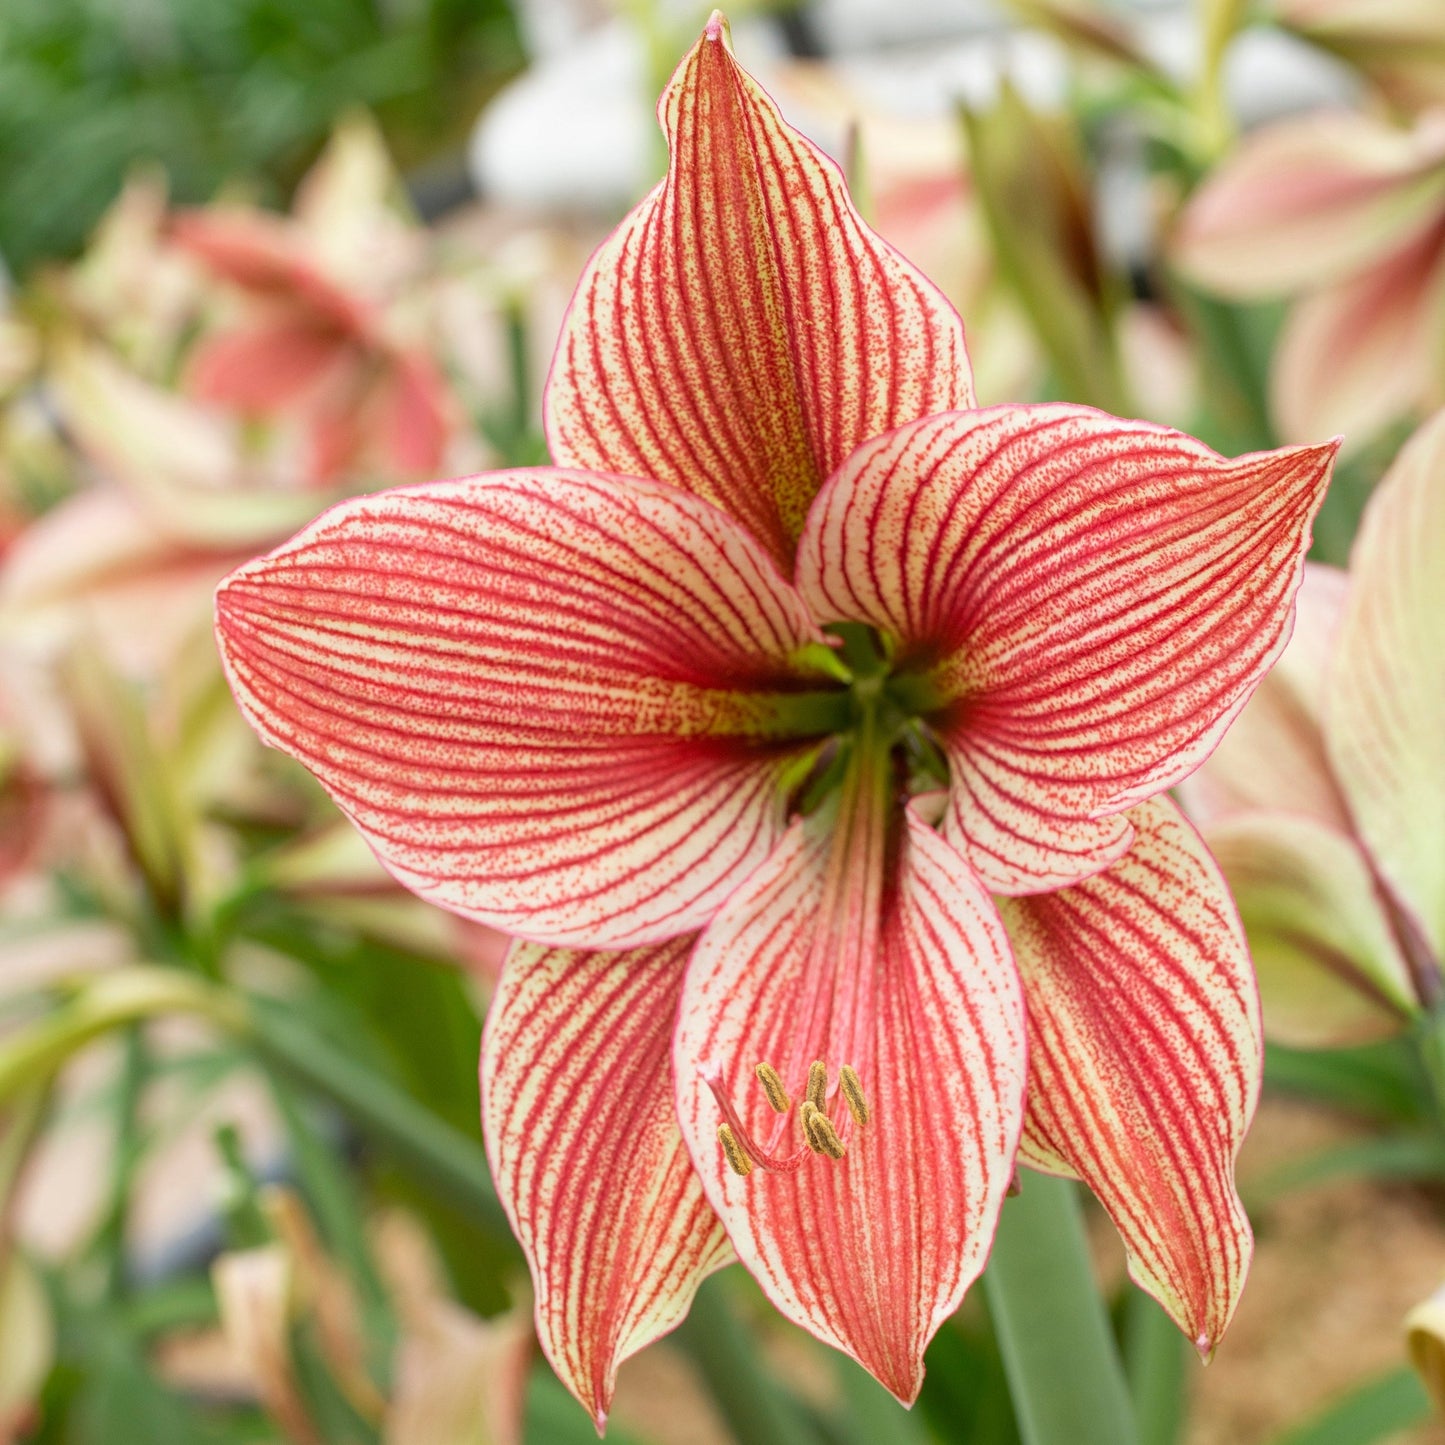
(871, 1251)
(1386, 720)
(1310, 201)
(581, 1130)
(1145, 1059)
(1273, 757)
(558, 704)
(743, 330)
(1087, 603)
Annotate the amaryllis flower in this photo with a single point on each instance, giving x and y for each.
(316, 341)
(741, 714)
(1325, 803)
(1348, 213)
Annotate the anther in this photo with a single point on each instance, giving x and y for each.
(818, 1130)
(738, 1160)
(773, 1088)
(817, 1092)
(852, 1092)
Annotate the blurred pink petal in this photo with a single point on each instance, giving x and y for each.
(1272, 759)
(264, 254)
(412, 410)
(1310, 201)
(1330, 969)
(1361, 354)
(264, 367)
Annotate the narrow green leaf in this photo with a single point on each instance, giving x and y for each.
(452, 1161)
(1379, 1081)
(1062, 1364)
(1392, 1156)
(1155, 1356)
(1376, 1410)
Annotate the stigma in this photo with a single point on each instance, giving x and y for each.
(824, 1119)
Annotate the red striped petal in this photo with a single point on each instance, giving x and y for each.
(1092, 600)
(873, 1251)
(1385, 723)
(743, 330)
(550, 701)
(1145, 1058)
(577, 1107)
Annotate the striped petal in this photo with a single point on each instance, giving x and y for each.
(1086, 602)
(1386, 720)
(1145, 1059)
(558, 704)
(577, 1108)
(743, 330)
(872, 1251)
(1273, 758)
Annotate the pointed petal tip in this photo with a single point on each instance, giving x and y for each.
(717, 28)
(1205, 1346)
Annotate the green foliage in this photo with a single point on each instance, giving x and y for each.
(214, 90)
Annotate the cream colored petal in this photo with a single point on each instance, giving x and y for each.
(1386, 722)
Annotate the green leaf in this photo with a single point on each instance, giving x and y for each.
(1155, 1355)
(1416, 1157)
(1379, 1081)
(451, 1160)
(1373, 1412)
(1063, 1367)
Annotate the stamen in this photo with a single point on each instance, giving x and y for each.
(852, 1092)
(738, 1160)
(817, 1093)
(773, 1087)
(818, 1129)
(821, 1133)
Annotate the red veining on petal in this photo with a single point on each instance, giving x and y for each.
(550, 701)
(1097, 598)
(743, 330)
(583, 1142)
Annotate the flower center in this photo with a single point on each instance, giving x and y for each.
(825, 1126)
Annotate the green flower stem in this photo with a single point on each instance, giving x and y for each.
(1059, 1354)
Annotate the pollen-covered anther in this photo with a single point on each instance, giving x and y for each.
(852, 1092)
(737, 1158)
(818, 1130)
(817, 1090)
(772, 1084)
